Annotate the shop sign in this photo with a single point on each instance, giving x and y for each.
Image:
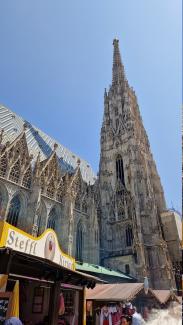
(45, 246)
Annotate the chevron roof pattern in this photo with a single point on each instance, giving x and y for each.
(38, 141)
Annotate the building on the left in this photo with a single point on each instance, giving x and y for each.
(44, 185)
(47, 201)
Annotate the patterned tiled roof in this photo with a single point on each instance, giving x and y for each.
(38, 141)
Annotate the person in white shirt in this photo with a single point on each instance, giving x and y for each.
(137, 318)
(105, 317)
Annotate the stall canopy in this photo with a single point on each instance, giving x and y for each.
(21, 265)
(127, 292)
(114, 292)
(163, 296)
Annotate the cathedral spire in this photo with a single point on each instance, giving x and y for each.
(118, 74)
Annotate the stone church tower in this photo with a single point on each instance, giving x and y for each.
(131, 194)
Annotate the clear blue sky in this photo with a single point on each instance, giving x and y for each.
(56, 60)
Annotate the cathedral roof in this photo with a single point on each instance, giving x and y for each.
(38, 141)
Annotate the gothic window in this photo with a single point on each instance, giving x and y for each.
(14, 211)
(39, 224)
(135, 258)
(129, 236)
(149, 257)
(51, 189)
(52, 219)
(79, 242)
(129, 212)
(3, 165)
(121, 212)
(117, 123)
(96, 236)
(84, 206)
(141, 201)
(77, 203)
(41, 218)
(26, 182)
(119, 169)
(116, 111)
(99, 213)
(127, 269)
(15, 172)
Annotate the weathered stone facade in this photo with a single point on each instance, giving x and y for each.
(113, 220)
(131, 194)
(39, 195)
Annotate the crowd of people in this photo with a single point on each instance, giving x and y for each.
(119, 314)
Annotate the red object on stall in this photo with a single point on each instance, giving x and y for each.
(61, 305)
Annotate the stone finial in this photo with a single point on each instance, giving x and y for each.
(115, 41)
(37, 165)
(38, 158)
(25, 126)
(31, 156)
(118, 74)
(55, 146)
(105, 95)
(7, 144)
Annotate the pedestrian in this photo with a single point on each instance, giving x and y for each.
(137, 318)
(105, 317)
(128, 312)
(13, 321)
(116, 317)
(124, 321)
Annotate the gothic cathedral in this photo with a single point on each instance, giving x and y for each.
(113, 219)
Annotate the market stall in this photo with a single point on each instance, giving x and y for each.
(38, 281)
(133, 294)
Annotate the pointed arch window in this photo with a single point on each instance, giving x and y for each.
(52, 219)
(14, 211)
(15, 172)
(96, 236)
(116, 111)
(3, 165)
(127, 269)
(77, 203)
(120, 169)
(79, 242)
(121, 214)
(51, 189)
(129, 236)
(26, 182)
(84, 206)
(41, 218)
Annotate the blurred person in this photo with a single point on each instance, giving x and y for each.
(116, 317)
(105, 316)
(137, 318)
(123, 321)
(13, 321)
(129, 311)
